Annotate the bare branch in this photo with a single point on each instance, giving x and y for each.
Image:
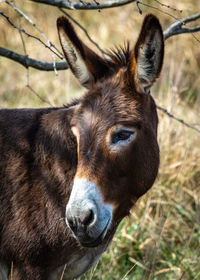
(27, 34)
(190, 19)
(29, 62)
(177, 27)
(174, 29)
(177, 119)
(72, 5)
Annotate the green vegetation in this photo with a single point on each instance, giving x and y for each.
(161, 238)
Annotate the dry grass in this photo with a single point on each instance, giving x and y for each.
(161, 238)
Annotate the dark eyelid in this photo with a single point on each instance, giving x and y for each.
(136, 124)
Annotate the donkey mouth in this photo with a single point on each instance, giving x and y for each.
(98, 240)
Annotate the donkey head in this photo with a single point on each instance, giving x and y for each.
(115, 125)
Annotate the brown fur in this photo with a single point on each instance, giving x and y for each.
(40, 158)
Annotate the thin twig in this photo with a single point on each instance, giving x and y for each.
(27, 69)
(38, 29)
(195, 37)
(27, 34)
(84, 30)
(21, 13)
(168, 6)
(22, 39)
(41, 98)
(30, 62)
(81, 5)
(24, 48)
(139, 9)
(25, 52)
(177, 119)
(158, 9)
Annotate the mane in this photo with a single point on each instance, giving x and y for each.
(119, 56)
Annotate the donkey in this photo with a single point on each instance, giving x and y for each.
(69, 175)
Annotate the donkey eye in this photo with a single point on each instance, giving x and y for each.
(121, 135)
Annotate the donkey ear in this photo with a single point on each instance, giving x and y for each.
(85, 64)
(147, 59)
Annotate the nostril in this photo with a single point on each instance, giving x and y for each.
(79, 220)
(87, 217)
(71, 223)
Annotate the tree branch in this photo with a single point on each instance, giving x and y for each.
(174, 29)
(29, 62)
(72, 5)
(177, 27)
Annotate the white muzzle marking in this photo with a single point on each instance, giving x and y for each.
(86, 198)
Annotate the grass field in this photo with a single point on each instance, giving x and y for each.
(161, 238)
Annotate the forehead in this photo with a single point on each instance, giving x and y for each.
(108, 105)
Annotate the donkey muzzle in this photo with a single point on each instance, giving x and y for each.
(86, 214)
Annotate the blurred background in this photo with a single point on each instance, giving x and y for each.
(161, 238)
